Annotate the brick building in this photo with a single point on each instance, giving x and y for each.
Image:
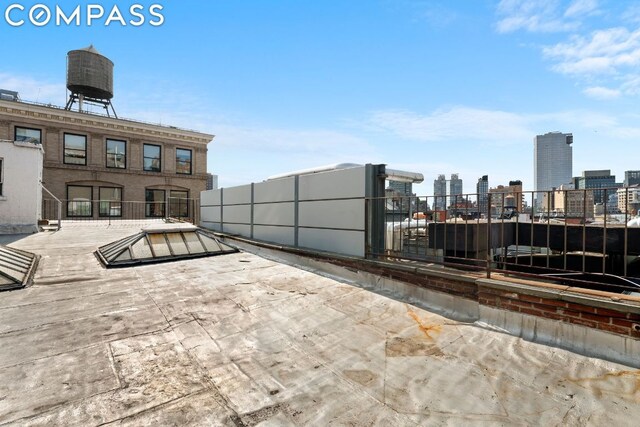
(103, 166)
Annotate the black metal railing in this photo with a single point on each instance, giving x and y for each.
(174, 209)
(576, 237)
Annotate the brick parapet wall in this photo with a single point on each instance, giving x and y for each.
(601, 313)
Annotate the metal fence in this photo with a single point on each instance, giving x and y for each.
(174, 209)
(563, 236)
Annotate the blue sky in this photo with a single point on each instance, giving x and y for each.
(436, 87)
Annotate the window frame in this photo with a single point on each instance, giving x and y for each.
(90, 202)
(100, 201)
(144, 157)
(190, 161)
(15, 134)
(147, 203)
(1, 175)
(106, 153)
(64, 148)
(178, 203)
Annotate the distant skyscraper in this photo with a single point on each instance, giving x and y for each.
(404, 188)
(552, 162)
(212, 181)
(482, 188)
(455, 185)
(440, 193)
(631, 178)
(596, 180)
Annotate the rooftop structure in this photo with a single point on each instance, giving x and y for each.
(99, 166)
(600, 181)
(244, 340)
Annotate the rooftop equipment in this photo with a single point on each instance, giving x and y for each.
(90, 79)
(9, 95)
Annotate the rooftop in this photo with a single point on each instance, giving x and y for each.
(53, 112)
(244, 340)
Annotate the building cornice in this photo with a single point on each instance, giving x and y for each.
(57, 116)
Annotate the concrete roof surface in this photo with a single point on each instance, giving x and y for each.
(242, 340)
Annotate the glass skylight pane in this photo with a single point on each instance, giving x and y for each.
(124, 256)
(141, 249)
(177, 244)
(210, 243)
(159, 245)
(12, 272)
(193, 243)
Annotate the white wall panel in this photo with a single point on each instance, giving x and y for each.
(210, 214)
(281, 235)
(210, 197)
(333, 184)
(241, 214)
(243, 230)
(342, 242)
(332, 214)
(236, 195)
(279, 190)
(274, 214)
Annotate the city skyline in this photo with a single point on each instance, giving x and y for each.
(435, 88)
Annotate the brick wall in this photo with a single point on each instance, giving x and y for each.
(617, 321)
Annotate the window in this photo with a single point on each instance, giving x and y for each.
(116, 154)
(75, 149)
(28, 135)
(179, 204)
(154, 206)
(110, 201)
(1, 175)
(79, 201)
(183, 161)
(152, 158)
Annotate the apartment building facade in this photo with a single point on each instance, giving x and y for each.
(107, 167)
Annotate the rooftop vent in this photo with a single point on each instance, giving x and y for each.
(9, 95)
(160, 245)
(16, 268)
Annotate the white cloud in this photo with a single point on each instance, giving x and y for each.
(454, 123)
(603, 52)
(603, 57)
(581, 7)
(543, 16)
(599, 92)
(34, 90)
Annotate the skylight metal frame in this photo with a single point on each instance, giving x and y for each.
(111, 255)
(23, 263)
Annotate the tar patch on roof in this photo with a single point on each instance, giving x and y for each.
(16, 268)
(161, 245)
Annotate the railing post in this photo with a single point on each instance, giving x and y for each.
(296, 209)
(488, 267)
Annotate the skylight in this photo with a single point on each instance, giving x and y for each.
(16, 268)
(162, 244)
